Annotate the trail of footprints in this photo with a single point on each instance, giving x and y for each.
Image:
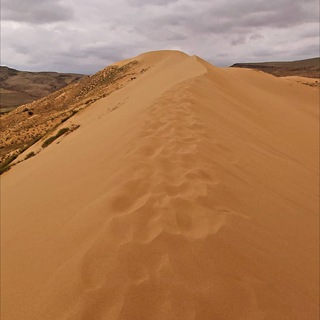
(171, 177)
(167, 204)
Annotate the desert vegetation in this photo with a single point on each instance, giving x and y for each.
(6, 164)
(56, 136)
(35, 120)
(30, 155)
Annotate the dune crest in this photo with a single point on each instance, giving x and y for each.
(190, 193)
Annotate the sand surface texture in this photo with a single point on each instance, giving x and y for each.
(191, 194)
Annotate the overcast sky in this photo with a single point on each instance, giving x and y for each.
(84, 36)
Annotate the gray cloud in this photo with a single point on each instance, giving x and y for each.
(302, 51)
(256, 36)
(239, 40)
(242, 15)
(150, 2)
(35, 11)
(83, 36)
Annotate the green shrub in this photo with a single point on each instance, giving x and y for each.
(48, 141)
(8, 160)
(4, 169)
(65, 119)
(29, 144)
(5, 165)
(51, 139)
(29, 155)
(73, 112)
(61, 132)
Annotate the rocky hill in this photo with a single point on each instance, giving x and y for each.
(21, 87)
(309, 68)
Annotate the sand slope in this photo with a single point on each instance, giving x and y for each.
(195, 198)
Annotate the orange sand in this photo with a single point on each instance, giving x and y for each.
(195, 199)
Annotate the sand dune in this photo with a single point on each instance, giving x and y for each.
(190, 193)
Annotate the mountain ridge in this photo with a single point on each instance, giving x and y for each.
(22, 87)
(309, 68)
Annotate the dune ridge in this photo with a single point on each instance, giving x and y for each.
(196, 197)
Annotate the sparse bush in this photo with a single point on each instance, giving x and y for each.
(4, 169)
(73, 112)
(29, 144)
(65, 119)
(62, 131)
(5, 165)
(51, 139)
(9, 160)
(48, 141)
(29, 155)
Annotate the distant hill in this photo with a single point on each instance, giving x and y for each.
(309, 68)
(26, 124)
(21, 87)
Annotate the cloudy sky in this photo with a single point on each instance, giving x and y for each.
(84, 36)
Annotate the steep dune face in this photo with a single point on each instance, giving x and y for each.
(195, 198)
